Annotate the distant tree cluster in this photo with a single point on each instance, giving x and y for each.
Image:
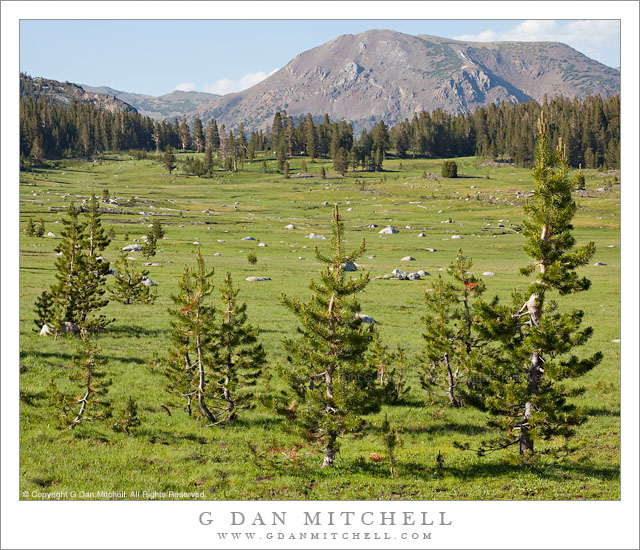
(589, 128)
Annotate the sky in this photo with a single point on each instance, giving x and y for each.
(157, 57)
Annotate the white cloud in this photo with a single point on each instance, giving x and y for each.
(229, 85)
(597, 39)
(186, 87)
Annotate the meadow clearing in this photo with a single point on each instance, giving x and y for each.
(179, 453)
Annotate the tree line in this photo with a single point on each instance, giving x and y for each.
(590, 129)
(509, 360)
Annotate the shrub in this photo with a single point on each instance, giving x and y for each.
(449, 169)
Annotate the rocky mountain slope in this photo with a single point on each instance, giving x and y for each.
(66, 93)
(174, 104)
(387, 75)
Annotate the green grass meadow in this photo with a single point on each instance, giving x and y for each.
(179, 453)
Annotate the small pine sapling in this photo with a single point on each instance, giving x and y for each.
(252, 258)
(41, 229)
(391, 381)
(450, 342)
(391, 439)
(157, 229)
(30, 230)
(128, 287)
(330, 382)
(238, 358)
(150, 246)
(191, 353)
(128, 419)
(87, 371)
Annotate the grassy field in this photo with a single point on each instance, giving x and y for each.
(178, 453)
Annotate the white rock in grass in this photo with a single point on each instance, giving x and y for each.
(599, 264)
(217, 254)
(248, 239)
(349, 209)
(350, 266)
(148, 282)
(290, 226)
(366, 318)
(300, 258)
(50, 234)
(399, 272)
(388, 231)
(196, 242)
(221, 240)
(45, 330)
(421, 235)
(132, 248)
(456, 236)
(408, 259)
(430, 249)
(413, 277)
(262, 244)
(258, 279)
(616, 341)
(488, 274)
(314, 236)
(423, 273)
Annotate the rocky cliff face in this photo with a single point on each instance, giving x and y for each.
(65, 93)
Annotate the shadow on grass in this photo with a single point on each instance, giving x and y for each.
(120, 331)
(437, 428)
(493, 470)
(601, 412)
(69, 357)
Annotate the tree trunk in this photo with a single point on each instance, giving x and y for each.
(330, 451)
(450, 378)
(227, 397)
(534, 375)
(201, 386)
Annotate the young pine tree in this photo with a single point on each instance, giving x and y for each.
(128, 287)
(169, 160)
(30, 230)
(328, 375)
(391, 380)
(157, 229)
(150, 245)
(239, 357)
(189, 364)
(520, 381)
(450, 340)
(79, 289)
(41, 229)
(87, 371)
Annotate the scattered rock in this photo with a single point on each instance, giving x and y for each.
(290, 226)
(262, 244)
(151, 264)
(314, 236)
(456, 236)
(258, 279)
(248, 239)
(423, 273)
(421, 235)
(349, 209)
(488, 274)
(413, 277)
(430, 249)
(217, 254)
(300, 258)
(325, 203)
(133, 248)
(45, 330)
(350, 266)
(399, 272)
(616, 341)
(598, 264)
(50, 234)
(196, 242)
(221, 240)
(388, 231)
(372, 225)
(408, 259)
(365, 318)
(148, 282)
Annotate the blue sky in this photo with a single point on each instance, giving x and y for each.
(156, 57)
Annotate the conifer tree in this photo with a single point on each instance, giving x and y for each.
(79, 289)
(88, 372)
(41, 229)
(449, 336)
(157, 229)
(128, 287)
(169, 160)
(391, 380)
(30, 230)
(328, 375)
(520, 381)
(189, 363)
(150, 245)
(238, 358)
